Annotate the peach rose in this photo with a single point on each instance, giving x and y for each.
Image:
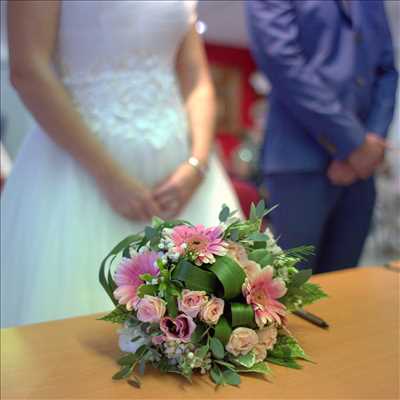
(260, 352)
(267, 336)
(237, 252)
(191, 302)
(251, 268)
(150, 309)
(212, 311)
(241, 341)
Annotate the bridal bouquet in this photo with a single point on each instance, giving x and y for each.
(213, 300)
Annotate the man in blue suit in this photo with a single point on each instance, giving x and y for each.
(331, 66)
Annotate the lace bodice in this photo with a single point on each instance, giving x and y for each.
(117, 59)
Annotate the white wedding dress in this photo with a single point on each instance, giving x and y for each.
(116, 59)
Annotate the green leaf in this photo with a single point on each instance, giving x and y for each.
(230, 274)
(290, 362)
(124, 372)
(258, 237)
(216, 375)
(146, 277)
(198, 333)
(301, 252)
(128, 359)
(222, 330)
(172, 305)
(260, 209)
(247, 360)
(196, 278)
(287, 347)
(231, 377)
(217, 348)
(297, 298)
(242, 315)
(146, 289)
(156, 222)
(226, 364)
(259, 368)
(126, 252)
(253, 212)
(118, 316)
(261, 256)
(224, 214)
(202, 351)
(300, 278)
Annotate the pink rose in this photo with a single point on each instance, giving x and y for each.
(181, 328)
(212, 311)
(150, 309)
(267, 336)
(241, 341)
(260, 352)
(191, 302)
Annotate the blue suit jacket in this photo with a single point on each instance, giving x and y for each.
(332, 74)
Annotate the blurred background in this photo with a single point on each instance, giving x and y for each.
(242, 99)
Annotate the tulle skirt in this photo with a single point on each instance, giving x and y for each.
(56, 226)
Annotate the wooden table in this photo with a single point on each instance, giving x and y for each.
(357, 358)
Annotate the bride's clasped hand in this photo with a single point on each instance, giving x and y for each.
(135, 201)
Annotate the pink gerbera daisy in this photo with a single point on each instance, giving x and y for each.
(127, 277)
(203, 242)
(261, 292)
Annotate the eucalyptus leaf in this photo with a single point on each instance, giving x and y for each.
(234, 235)
(224, 213)
(142, 367)
(150, 232)
(217, 348)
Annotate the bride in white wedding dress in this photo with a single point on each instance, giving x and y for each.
(122, 95)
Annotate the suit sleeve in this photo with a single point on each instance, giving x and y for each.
(274, 34)
(384, 89)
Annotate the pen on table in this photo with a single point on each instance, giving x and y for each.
(311, 318)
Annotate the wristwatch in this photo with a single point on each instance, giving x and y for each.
(198, 166)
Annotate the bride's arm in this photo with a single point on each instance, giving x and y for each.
(32, 33)
(198, 93)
